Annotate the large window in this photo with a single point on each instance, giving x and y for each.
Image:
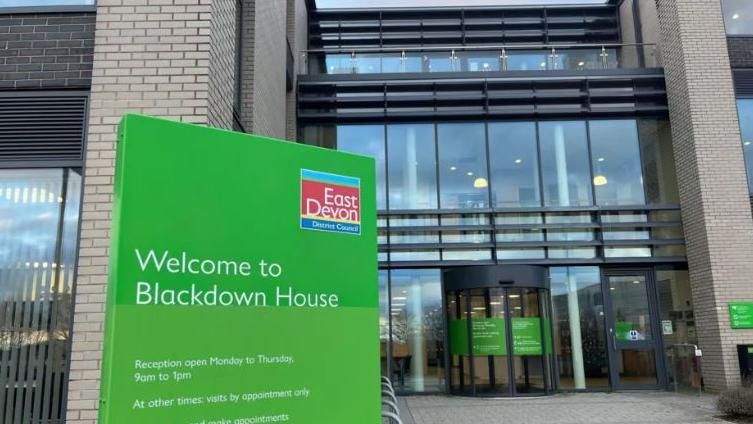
(616, 163)
(745, 113)
(417, 329)
(367, 140)
(565, 170)
(580, 342)
(519, 164)
(463, 182)
(412, 166)
(39, 211)
(738, 16)
(514, 164)
(657, 158)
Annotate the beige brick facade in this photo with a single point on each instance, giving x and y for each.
(712, 181)
(152, 57)
(264, 57)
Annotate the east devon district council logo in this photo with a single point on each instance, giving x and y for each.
(330, 202)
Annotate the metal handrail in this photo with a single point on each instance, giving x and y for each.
(481, 47)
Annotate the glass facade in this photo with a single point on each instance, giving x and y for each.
(565, 169)
(745, 115)
(580, 337)
(413, 166)
(513, 158)
(416, 320)
(505, 165)
(678, 326)
(39, 215)
(738, 16)
(463, 179)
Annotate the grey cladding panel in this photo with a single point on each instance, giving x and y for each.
(42, 128)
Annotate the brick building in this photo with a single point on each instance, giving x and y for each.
(596, 158)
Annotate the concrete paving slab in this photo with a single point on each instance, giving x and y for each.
(586, 408)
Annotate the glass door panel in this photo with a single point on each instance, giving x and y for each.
(528, 341)
(481, 338)
(632, 330)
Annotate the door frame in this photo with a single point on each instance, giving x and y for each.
(614, 345)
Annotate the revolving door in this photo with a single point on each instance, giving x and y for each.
(499, 331)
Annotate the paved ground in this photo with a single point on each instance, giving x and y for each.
(596, 408)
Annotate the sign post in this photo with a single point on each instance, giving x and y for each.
(243, 281)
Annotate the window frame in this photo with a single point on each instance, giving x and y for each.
(726, 27)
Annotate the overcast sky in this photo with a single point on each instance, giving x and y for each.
(420, 3)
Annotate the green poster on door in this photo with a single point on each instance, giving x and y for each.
(243, 281)
(741, 315)
(526, 336)
(489, 337)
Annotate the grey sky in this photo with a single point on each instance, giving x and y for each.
(420, 3)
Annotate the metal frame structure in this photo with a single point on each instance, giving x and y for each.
(465, 25)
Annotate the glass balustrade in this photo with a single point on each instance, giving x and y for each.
(466, 59)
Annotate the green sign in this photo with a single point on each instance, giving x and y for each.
(741, 315)
(243, 281)
(623, 330)
(526, 336)
(488, 337)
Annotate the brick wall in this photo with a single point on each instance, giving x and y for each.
(740, 51)
(222, 67)
(263, 62)
(298, 37)
(248, 39)
(151, 56)
(50, 50)
(270, 58)
(716, 209)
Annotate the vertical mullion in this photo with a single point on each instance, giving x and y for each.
(490, 190)
(51, 390)
(7, 377)
(469, 327)
(18, 358)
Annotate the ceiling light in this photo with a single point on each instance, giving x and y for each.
(495, 303)
(747, 143)
(452, 168)
(470, 174)
(518, 160)
(600, 159)
(543, 64)
(517, 307)
(479, 308)
(736, 16)
(399, 298)
(480, 183)
(600, 180)
(514, 296)
(581, 64)
(636, 282)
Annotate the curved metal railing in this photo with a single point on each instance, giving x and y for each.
(390, 410)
